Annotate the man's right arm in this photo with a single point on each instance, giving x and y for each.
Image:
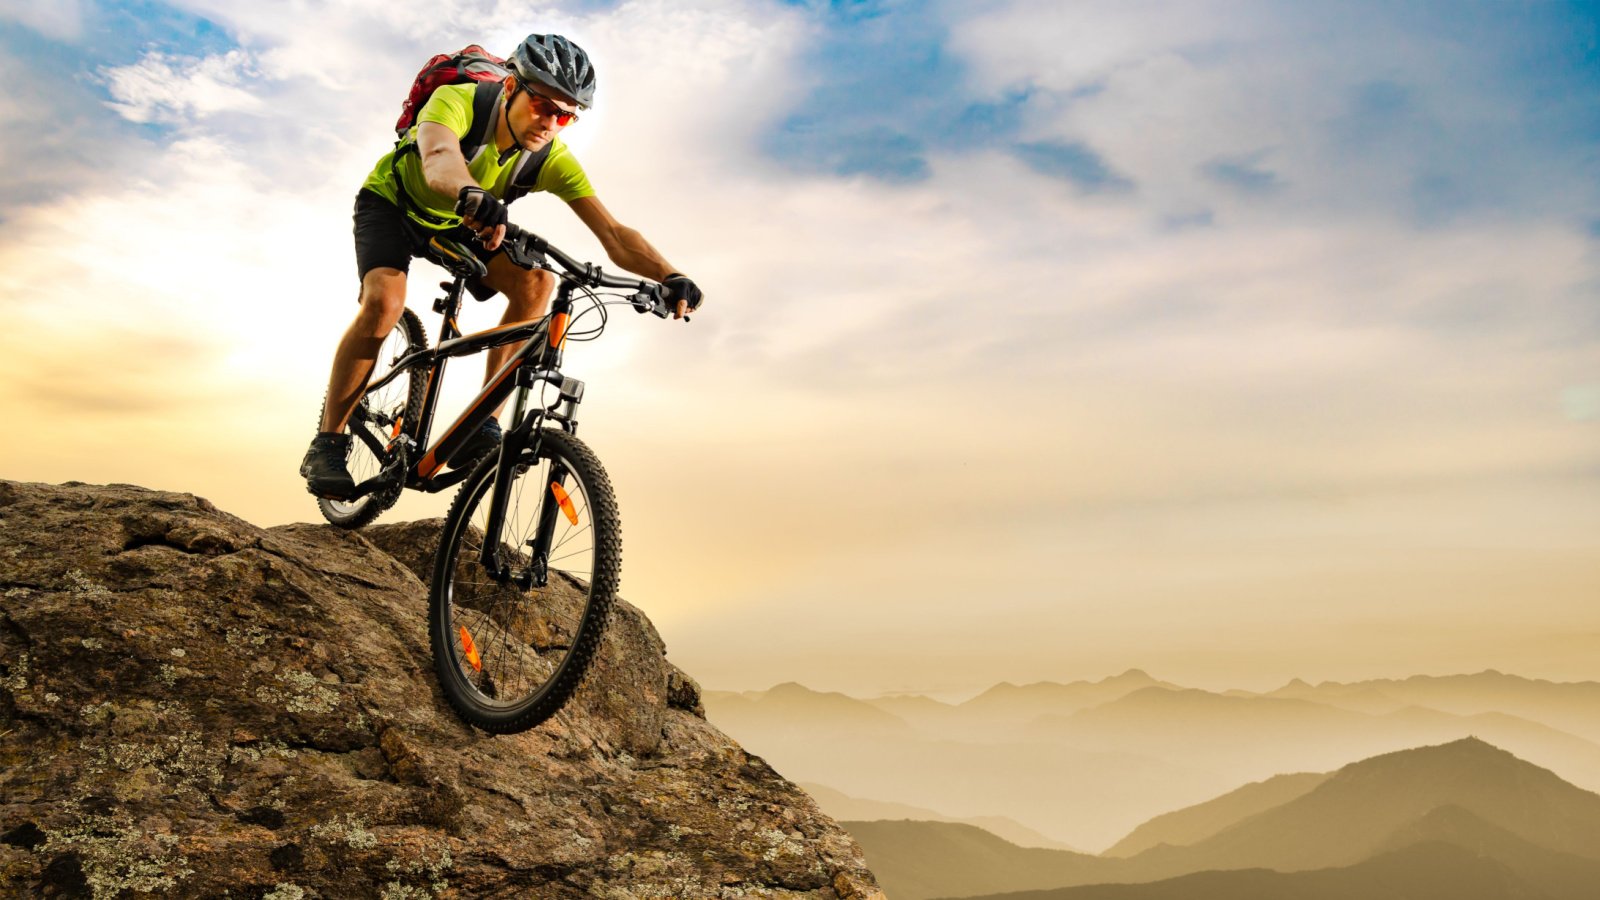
(442, 164)
(446, 171)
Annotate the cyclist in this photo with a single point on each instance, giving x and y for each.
(411, 196)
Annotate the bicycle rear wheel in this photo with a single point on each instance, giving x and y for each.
(509, 652)
(376, 422)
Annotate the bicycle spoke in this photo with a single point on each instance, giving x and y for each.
(569, 537)
(569, 555)
(529, 640)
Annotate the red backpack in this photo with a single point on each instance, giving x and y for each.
(471, 63)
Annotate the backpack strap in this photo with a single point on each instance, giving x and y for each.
(483, 101)
(526, 175)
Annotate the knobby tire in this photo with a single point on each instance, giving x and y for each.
(534, 645)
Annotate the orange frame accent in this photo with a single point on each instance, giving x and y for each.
(431, 464)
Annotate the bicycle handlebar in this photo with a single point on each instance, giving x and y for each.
(530, 251)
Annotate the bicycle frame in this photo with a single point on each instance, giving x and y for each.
(538, 360)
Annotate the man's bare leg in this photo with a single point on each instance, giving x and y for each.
(527, 293)
(383, 299)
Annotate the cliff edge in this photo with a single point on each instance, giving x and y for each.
(194, 706)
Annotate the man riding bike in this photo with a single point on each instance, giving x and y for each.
(427, 187)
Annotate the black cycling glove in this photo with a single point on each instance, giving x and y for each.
(481, 207)
(679, 287)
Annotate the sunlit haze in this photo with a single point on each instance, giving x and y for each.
(1236, 342)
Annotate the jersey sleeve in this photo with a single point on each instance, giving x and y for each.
(562, 176)
(450, 107)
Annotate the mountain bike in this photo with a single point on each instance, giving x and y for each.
(526, 572)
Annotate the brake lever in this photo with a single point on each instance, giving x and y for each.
(522, 251)
(650, 302)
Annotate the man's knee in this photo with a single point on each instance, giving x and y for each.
(383, 298)
(531, 289)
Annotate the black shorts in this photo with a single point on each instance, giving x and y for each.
(386, 237)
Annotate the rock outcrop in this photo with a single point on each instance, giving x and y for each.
(194, 706)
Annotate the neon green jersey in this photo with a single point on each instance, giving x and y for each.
(451, 106)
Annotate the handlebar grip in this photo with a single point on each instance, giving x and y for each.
(528, 249)
(649, 300)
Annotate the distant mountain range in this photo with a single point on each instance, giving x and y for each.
(1006, 702)
(1459, 820)
(841, 806)
(918, 860)
(1195, 823)
(1079, 798)
(795, 707)
(1573, 707)
(1245, 736)
(1423, 871)
(1353, 814)
(1083, 763)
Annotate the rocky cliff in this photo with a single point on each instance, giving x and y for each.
(194, 706)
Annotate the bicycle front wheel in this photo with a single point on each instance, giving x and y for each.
(510, 647)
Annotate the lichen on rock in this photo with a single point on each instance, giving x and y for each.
(194, 706)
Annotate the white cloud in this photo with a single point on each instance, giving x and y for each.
(59, 19)
(178, 90)
(1161, 89)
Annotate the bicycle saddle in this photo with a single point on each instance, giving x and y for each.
(455, 257)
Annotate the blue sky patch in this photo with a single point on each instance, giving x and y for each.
(885, 82)
(878, 151)
(1072, 162)
(66, 113)
(1245, 175)
(889, 93)
(1204, 218)
(116, 34)
(1437, 199)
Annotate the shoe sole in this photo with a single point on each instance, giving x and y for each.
(325, 494)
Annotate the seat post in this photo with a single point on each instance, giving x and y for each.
(450, 306)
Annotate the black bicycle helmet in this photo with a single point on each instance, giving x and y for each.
(554, 61)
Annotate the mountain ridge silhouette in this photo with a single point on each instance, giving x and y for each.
(1346, 818)
(1185, 826)
(1469, 806)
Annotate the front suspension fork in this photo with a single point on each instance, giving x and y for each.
(520, 439)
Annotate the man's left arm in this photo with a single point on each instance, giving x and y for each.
(628, 249)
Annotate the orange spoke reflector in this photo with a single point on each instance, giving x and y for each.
(472, 650)
(565, 501)
(558, 329)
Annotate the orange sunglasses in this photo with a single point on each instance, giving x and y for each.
(544, 106)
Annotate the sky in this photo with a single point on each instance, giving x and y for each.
(1235, 341)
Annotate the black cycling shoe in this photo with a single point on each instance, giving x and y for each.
(486, 441)
(324, 467)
